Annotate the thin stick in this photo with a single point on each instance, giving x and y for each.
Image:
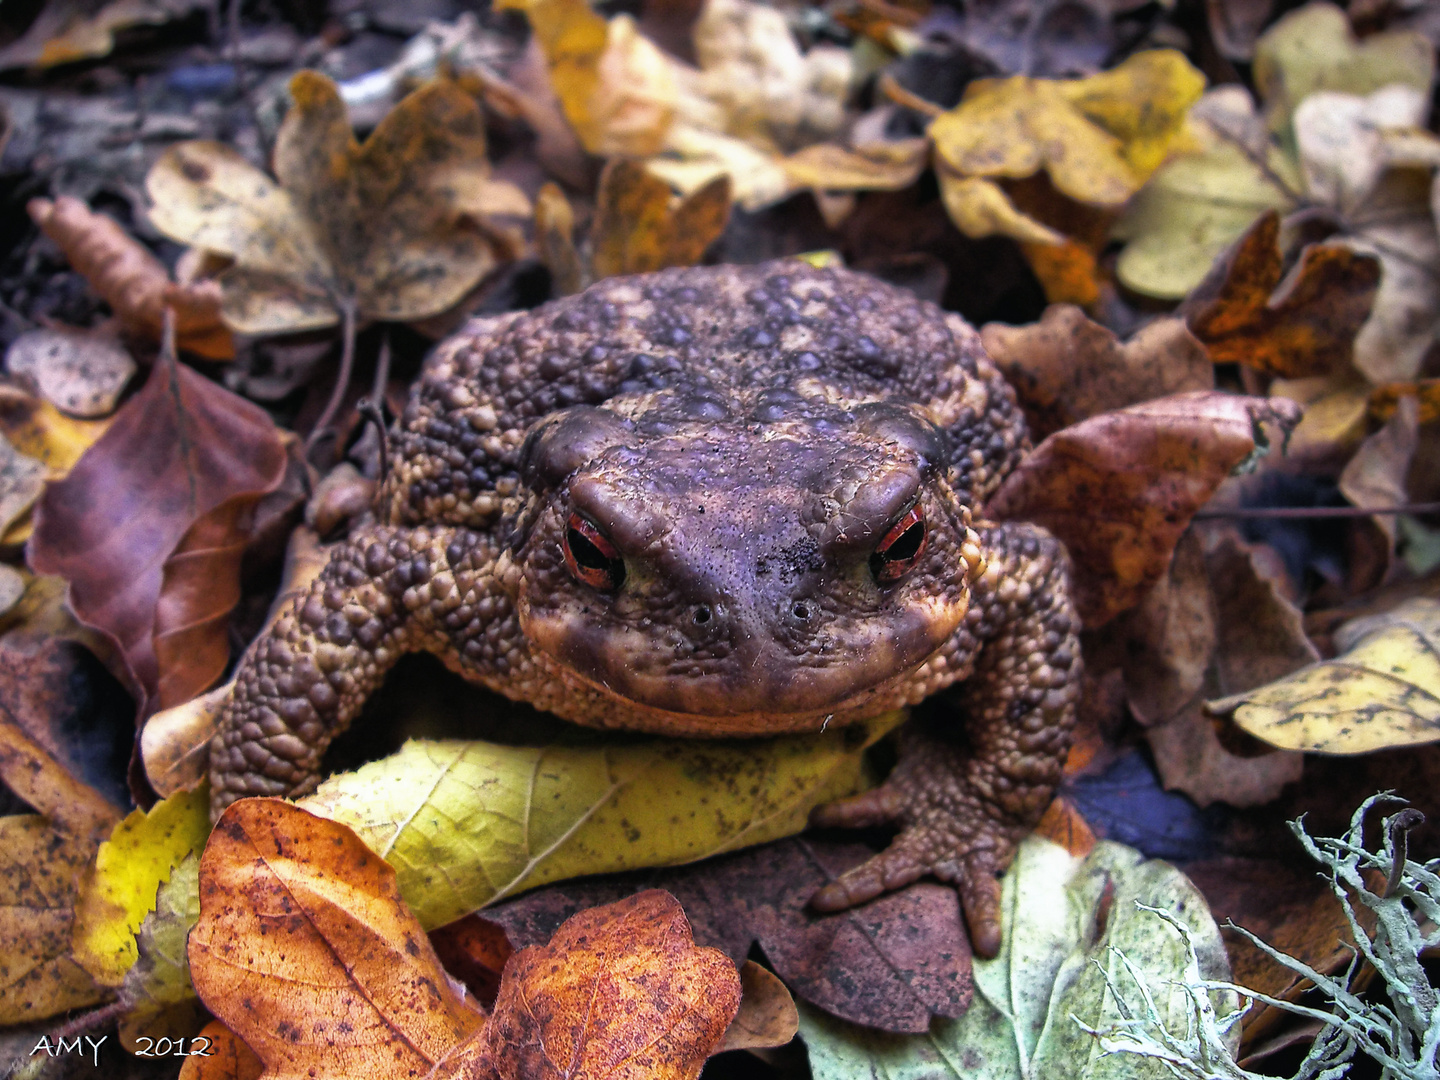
(1303, 512)
(342, 377)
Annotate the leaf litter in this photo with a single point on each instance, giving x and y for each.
(1291, 218)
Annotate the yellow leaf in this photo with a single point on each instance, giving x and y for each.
(1196, 205)
(467, 823)
(1315, 49)
(158, 997)
(981, 208)
(39, 430)
(1382, 691)
(639, 226)
(1099, 138)
(129, 868)
(40, 867)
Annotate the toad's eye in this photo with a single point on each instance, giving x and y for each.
(591, 557)
(901, 548)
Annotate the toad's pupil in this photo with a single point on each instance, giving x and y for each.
(590, 557)
(901, 548)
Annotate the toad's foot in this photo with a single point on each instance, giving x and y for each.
(945, 831)
(962, 810)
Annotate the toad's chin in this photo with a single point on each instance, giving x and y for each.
(753, 685)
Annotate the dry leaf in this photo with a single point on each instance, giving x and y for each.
(1376, 475)
(1385, 399)
(306, 951)
(639, 226)
(1098, 138)
(381, 228)
(79, 372)
(178, 449)
(22, 482)
(157, 996)
(1383, 690)
(74, 30)
(555, 241)
(1066, 368)
(1120, 488)
(227, 1057)
(131, 280)
(621, 992)
(1301, 327)
(767, 1015)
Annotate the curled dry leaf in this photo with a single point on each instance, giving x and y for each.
(306, 951)
(1376, 474)
(767, 1015)
(132, 280)
(1383, 690)
(78, 371)
(1120, 488)
(620, 992)
(177, 450)
(131, 864)
(639, 226)
(1067, 368)
(1097, 138)
(383, 228)
(1304, 326)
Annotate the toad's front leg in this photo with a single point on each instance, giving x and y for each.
(963, 803)
(385, 592)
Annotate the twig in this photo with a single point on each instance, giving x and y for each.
(342, 377)
(1302, 512)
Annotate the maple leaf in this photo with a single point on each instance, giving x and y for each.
(379, 230)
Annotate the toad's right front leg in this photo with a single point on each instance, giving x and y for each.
(385, 592)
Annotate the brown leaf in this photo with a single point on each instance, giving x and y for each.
(306, 951)
(636, 229)
(1120, 488)
(179, 449)
(621, 992)
(1386, 398)
(474, 950)
(767, 1015)
(1215, 620)
(1376, 475)
(226, 1057)
(555, 241)
(1067, 368)
(1063, 824)
(892, 964)
(131, 280)
(1303, 326)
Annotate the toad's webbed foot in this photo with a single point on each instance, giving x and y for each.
(962, 808)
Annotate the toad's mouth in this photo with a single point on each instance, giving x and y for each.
(753, 682)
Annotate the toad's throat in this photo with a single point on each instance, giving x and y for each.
(743, 679)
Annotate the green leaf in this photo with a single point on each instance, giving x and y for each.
(467, 823)
(157, 991)
(1023, 1022)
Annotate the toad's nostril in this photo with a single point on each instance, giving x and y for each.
(801, 611)
(702, 615)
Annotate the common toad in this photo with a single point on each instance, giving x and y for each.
(709, 502)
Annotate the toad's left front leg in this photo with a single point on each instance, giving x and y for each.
(963, 805)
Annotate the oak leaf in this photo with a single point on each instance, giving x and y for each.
(621, 992)
(1302, 326)
(1098, 138)
(306, 951)
(1120, 488)
(1383, 690)
(381, 230)
(132, 280)
(177, 450)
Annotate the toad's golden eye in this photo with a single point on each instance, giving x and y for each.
(591, 556)
(901, 547)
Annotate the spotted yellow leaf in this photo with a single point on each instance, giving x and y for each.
(1382, 691)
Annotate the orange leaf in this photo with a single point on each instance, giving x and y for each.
(176, 451)
(132, 280)
(1302, 327)
(222, 1056)
(306, 951)
(1120, 488)
(1063, 824)
(636, 230)
(621, 992)
(1385, 399)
